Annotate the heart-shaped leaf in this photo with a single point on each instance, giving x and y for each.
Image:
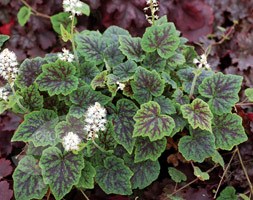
(146, 84)
(197, 147)
(131, 48)
(29, 70)
(187, 75)
(58, 78)
(28, 181)
(113, 55)
(31, 99)
(150, 122)
(222, 90)
(87, 178)
(61, 18)
(144, 172)
(38, 127)
(124, 124)
(114, 177)
(147, 150)
(85, 96)
(198, 114)
(24, 15)
(166, 105)
(61, 170)
(154, 61)
(125, 71)
(112, 33)
(88, 71)
(228, 131)
(91, 45)
(161, 38)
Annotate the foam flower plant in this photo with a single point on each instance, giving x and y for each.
(105, 117)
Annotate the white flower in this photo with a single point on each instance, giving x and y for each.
(66, 56)
(95, 120)
(202, 62)
(72, 6)
(153, 7)
(4, 93)
(8, 65)
(121, 86)
(71, 141)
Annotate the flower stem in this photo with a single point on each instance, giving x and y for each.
(35, 12)
(196, 75)
(100, 148)
(72, 37)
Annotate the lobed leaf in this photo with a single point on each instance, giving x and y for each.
(229, 193)
(114, 176)
(228, 131)
(112, 33)
(113, 56)
(197, 147)
(150, 122)
(154, 61)
(222, 91)
(63, 19)
(131, 48)
(161, 38)
(38, 127)
(147, 150)
(61, 171)
(88, 71)
(124, 124)
(125, 71)
(58, 78)
(147, 84)
(166, 105)
(144, 172)
(198, 114)
(86, 180)
(28, 181)
(176, 175)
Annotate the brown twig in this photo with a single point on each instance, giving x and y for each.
(35, 12)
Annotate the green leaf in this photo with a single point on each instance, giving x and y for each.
(91, 46)
(249, 94)
(180, 98)
(87, 178)
(187, 75)
(198, 114)
(197, 147)
(24, 15)
(114, 177)
(166, 105)
(161, 38)
(3, 39)
(229, 193)
(124, 124)
(63, 19)
(203, 176)
(180, 123)
(244, 197)
(31, 99)
(72, 124)
(147, 150)
(176, 175)
(222, 90)
(217, 158)
(85, 96)
(228, 131)
(113, 55)
(125, 71)
(150, 122)
(85, 9)
(28, 181)
(87, 71)
(131, 48)
(112, 33)
(61, 170)
(99, 80)
(144, 172)
(147, 84)
(38, 127)
(176, 60)
(154, 61)
(58, 78)
(3, 106)
(66, 35)
(29, 70)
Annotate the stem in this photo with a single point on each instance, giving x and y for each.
(17, 100)
(224, 173)
(100, 148)
(244, 104)
(72, 38)
(196, 75)
(48, 194)
(86, 197)
(244, 170)
(35, 12)
(152, 11)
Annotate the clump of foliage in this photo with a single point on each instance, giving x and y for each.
(102, 115)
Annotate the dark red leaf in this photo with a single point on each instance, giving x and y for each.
(5, 192)
(6, 28)
(5, 168)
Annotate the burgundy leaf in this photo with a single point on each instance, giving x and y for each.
(5, 168)
(5, 192)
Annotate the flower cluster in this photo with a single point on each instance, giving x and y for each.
(72, 6)
(153, 7)
(71, 141)
(202, 62)
(121, 86)
(66, 56)
(8, 65)
(4, 93)
(95, 120)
